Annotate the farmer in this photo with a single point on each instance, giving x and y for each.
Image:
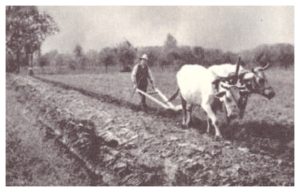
(140, 75)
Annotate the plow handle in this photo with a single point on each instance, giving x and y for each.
(152, 98)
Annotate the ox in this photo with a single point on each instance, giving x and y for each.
(254, 80)
(199, 86)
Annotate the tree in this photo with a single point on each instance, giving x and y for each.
(107, 56)
(186, 55)
(26, 29)
(168, 57)
(198, 52)
(229, 57)
(153, 57)
(126, 55)
(78, 52)
(153, 53)
(262, 58)
(80, 58)
(92, 57)
(170, 42)
(169, 53)
(48, 58)
(213, 56)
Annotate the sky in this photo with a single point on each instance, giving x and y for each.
(228, 28)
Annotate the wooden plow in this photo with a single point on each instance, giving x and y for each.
(164, 103)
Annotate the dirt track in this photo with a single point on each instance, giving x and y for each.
(124, 146)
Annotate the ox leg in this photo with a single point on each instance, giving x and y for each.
(212, 116)
(189, 115)
(184, 112)
(242, 105)
(208, 125)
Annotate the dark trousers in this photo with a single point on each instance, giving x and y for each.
(143, 87)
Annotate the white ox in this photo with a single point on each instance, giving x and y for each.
(254, 80)
(199, 86)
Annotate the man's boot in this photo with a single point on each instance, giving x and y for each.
(144, 106)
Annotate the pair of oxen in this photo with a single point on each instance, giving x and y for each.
(224, 87)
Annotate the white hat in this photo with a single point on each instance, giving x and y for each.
(144, 57)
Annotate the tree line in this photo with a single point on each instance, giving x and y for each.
(27, 28)
(170, 55)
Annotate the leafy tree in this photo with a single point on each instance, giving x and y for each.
(170, 42)
(153, 57)
(186, 55)
(26, 29)
(92, 57)
(170, 53)
(229, 57)
(262, 58)
(78, 52)
(126, 55)
(153, 53)
(107, 56)
(80, 58)
(213, 56)
(198, 52)
(48, 58)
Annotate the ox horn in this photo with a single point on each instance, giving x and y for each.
(266, 66)
(224, 85)
(237, 69)
(262, 68)
(227, 86)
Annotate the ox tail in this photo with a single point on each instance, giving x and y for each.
(174, 95)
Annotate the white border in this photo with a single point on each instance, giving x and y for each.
(152, 2)
(2, 96)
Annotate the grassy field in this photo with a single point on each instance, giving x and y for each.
(279, 110)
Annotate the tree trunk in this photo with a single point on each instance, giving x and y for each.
(30, 64)
(17, 63)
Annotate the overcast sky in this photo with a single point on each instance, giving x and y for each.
(227, 28)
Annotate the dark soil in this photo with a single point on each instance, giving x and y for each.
(114, 143)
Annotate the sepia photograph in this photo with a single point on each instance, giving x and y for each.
(149, 95)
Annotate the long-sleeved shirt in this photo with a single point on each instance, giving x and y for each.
(141, 74)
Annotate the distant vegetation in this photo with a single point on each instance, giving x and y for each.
(281, 55)
(170, 55)
(27, 28)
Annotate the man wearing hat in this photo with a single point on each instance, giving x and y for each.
(140, 75)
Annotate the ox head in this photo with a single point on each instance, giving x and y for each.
(230, 96)
(256, 82)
